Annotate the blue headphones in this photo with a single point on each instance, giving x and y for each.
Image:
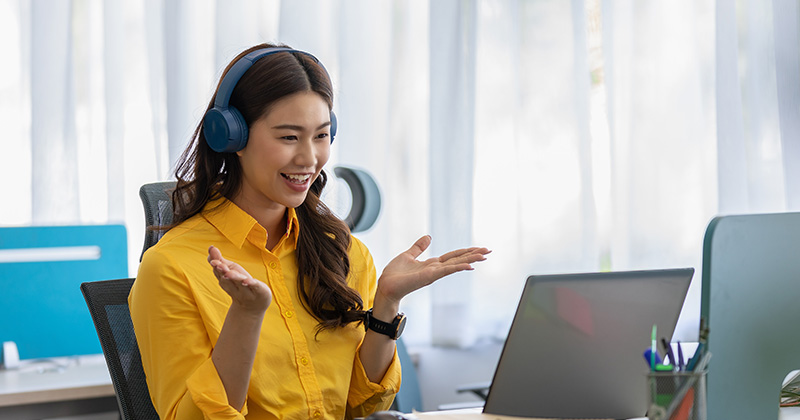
(223, 125)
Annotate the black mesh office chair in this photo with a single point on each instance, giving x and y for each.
(108, 303)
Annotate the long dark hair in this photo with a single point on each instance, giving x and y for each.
(323, 243)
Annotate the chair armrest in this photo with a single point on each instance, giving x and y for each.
(461, 405)
(481, 389)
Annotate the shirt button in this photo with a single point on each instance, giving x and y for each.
(272, 265)
(289, 314)
(304, 361)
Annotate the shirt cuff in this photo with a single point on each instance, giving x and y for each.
(362, 390)
(209, 394)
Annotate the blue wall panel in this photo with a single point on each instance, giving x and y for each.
(41, 269)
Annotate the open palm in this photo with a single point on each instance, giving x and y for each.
(250, 294)
(405, 274)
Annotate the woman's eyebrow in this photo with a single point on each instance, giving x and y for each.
(298, 127)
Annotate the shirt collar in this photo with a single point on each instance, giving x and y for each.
(236, 224)
(292, 227)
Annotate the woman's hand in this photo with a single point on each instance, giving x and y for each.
(405, 274)
(235, 350)
(249, 294)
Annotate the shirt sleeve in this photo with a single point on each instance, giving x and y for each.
(174, 344)
(365, 396)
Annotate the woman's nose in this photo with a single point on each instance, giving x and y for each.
(306, 154)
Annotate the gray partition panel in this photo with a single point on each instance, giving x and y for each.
(751, 306)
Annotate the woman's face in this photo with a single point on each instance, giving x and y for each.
(286, 151)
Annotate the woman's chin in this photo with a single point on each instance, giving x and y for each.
(294, 202)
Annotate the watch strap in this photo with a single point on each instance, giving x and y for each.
(391, 329)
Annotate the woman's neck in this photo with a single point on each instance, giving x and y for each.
(271, 217)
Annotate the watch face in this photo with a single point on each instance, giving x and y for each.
(401, 326)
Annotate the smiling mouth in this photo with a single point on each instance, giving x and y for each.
(297, 179)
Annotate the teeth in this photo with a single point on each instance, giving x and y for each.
(297, 178)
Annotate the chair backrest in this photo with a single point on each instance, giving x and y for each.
(409, 398)
(157, 202)
(108, 304)
(366, 198)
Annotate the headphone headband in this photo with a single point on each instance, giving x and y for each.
(223, 125)
(241, 66)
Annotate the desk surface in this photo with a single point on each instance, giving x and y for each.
(469, 414)
(62, 379)
(86, 377)
(789, 413)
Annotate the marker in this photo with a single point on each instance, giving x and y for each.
(652, 359)
(680, 356)
(653, 348)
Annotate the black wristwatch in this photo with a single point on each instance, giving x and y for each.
(393, 329)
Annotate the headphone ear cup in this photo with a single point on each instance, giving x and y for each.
(333, 126)
(225, 130)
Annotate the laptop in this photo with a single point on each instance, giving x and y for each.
(575, 347)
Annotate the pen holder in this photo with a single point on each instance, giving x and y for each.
(679, 395)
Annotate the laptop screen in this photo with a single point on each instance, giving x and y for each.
(575, 347)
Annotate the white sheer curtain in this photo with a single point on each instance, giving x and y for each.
(758, 102)
(567, 136)
(618, 160)
(659, 79)
(534, 201)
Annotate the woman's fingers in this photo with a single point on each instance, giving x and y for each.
(228, 270)
(473, 254)
(455, 261)
(420, 246)
(213, 253)
(245, 291)
(456, 253)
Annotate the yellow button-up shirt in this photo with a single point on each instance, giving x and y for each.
(178, 309)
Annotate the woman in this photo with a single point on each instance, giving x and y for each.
(254, 304)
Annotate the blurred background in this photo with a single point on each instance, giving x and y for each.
(567, 136)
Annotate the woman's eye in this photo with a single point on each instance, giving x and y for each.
(289, 137)
(322, 135)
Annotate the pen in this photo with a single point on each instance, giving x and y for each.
(680, 356)
(696, 358)
(703, 362)
(668, 349)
